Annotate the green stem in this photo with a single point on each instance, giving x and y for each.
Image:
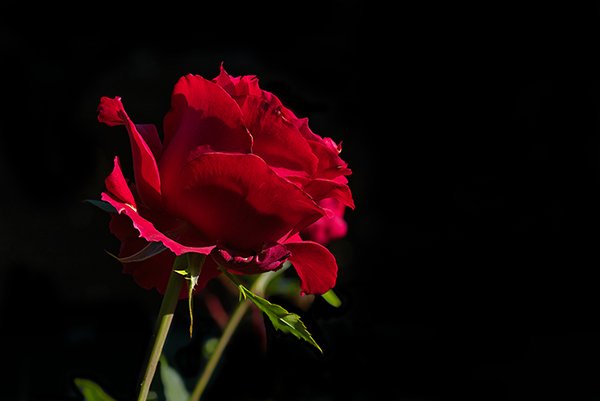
(163, 322)
(258, 287)
(230, 328)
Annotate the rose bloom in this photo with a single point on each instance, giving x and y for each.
(236, 176)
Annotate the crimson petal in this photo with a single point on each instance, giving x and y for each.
(117, 185)
(270, 258)
(150, 135)
(236, 200)
(152, 272)
(203, 117)
(147, 229)
(315, 265)
(147, 179)
(321, 189)
(238, 87)
(276, 139)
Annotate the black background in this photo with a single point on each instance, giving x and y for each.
(472, 131)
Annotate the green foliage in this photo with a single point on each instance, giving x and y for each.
(91, 391)
(107, 207)
(280, 318)
(173, 384)
(332, 299)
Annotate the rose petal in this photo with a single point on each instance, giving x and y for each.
(331, 164)
(150, 273)
(243, 89)
(238, 87)
(150, 135)
(322, 189)
(147, 180)
(203, 117)
(330, 227)
(111, 111)
(148, 231)
(117, 185)
(270, 258)
(236, 200)
(276, 139)
(202, 113)
(315, 265)
(153, 272)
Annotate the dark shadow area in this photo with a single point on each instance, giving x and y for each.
(472, 133)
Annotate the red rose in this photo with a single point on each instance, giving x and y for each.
(236, 176)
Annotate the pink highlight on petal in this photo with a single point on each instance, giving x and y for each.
(330, 227)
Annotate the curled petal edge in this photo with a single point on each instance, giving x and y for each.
(148, 231)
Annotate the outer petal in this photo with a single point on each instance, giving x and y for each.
(203, 114)
(331, 164)
(330, 227)
(147, 179)
(327, 151)
(238, 87)
(150, 135)
(243, 88)
(237, 201)
(203, 117)
(153, 272)
(117, 185)
(315, 265)
(148, 231)
(276, 139)
(321, 189)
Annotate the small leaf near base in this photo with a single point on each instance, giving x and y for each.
(280, 318)
(332, 299)
(91, 391)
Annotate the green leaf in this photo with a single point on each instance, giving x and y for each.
(91, 391)
(332, 299)
(150, 250)
(107, 207)
(173, 384)
(189, 265)
(280, 318)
